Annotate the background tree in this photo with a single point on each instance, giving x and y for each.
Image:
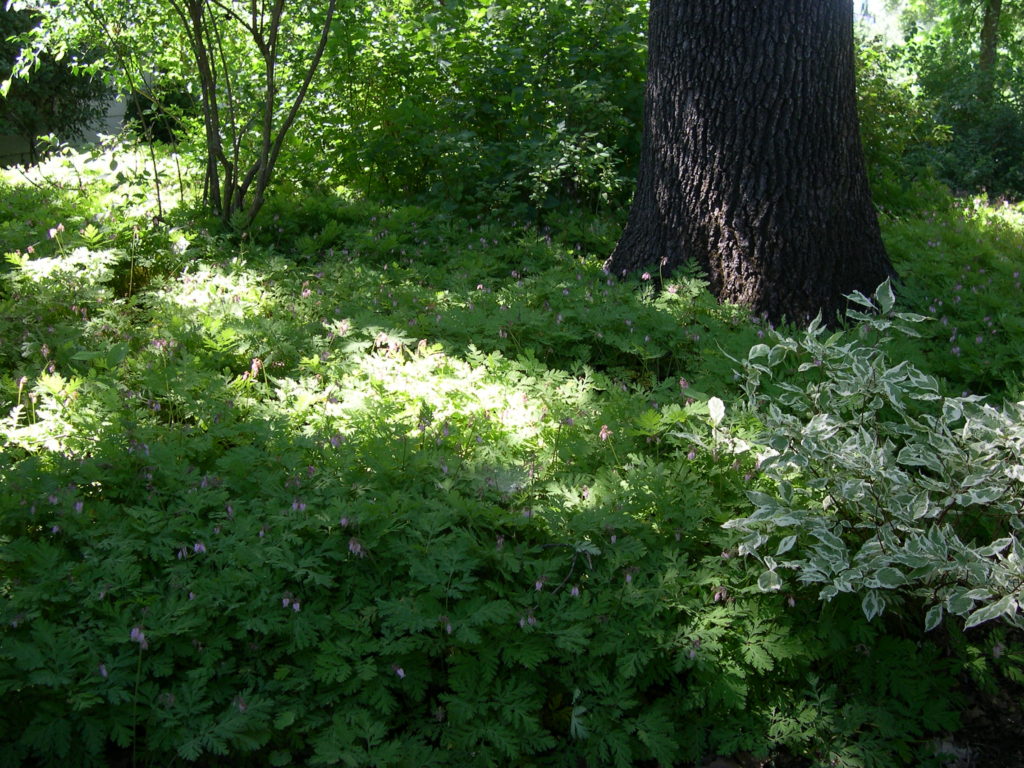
(60, 99)
(752, 163)
(252, 64)
(969, 60)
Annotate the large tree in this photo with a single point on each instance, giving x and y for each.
(752, 163)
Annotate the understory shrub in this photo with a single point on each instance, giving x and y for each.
(482, 107)
(882, 487)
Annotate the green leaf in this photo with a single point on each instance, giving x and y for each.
(769, 581)
(995, 547)
(872, 604)
(785, 545)
(885, 297)
(991, 611)
(933, 618)
(756, 351)
(284, 719)
(890, 578)
(959, 604)
(917, 455)
(280, 757)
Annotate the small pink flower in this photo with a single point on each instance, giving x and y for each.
(574, 592)
(138, 636)
(645, 276)
(605, 433)
(399, 672)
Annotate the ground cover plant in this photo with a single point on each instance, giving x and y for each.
(378, 485)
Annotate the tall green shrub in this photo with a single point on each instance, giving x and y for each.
(484, 105)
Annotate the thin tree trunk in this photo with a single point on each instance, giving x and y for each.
(752, 163)
(989, 45)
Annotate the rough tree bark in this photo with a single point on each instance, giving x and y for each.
(752, 163)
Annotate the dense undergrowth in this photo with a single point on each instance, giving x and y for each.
(380, 486)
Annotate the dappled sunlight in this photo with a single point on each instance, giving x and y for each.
(411, 447)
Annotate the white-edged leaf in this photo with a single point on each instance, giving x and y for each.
(756, 351)
(959, 604)
(991, 611)
(785, 545)
(890, 578)
(933, 618)
(769, 581)
(885, 297)
(872, 604)
(995, 547)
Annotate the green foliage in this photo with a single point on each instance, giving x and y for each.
(485, 106)
(376, 486)
(59, 100)
(882, 487)
(898, 130)
(983, 109)
(249, 66)
(960, 268)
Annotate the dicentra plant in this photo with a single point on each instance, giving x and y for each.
(384, 487)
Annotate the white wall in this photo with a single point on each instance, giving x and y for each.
(15, 149)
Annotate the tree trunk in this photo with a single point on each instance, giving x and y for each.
(989, 42)
(752, 163)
